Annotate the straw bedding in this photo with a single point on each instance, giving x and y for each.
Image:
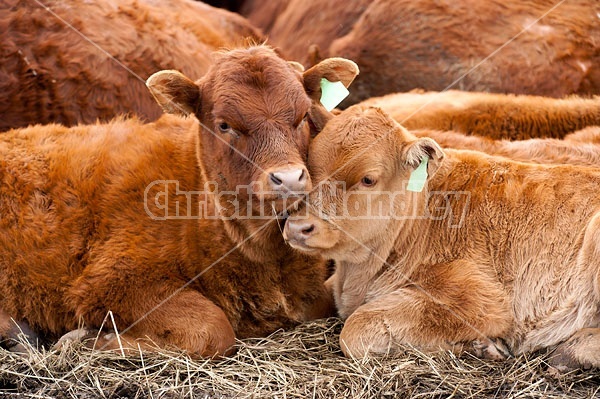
(302, 363)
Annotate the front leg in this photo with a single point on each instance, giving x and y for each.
(11, 331)
(445, 306)
(152, 312)
(324, 306)
(582, 350)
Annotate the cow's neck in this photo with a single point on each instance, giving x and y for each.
(391, 260)
(260, 241)
(257, 235)
(354, 278)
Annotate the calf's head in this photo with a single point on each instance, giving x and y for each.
(256, 112)
(362, 161)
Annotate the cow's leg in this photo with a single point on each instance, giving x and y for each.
(10, 331)
(582, 350)
(152, 316)
(450, 306)
(324, 305)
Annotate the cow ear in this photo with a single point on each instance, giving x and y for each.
(296, 66)
(416, 151)
(332, 69)
(174, 92)
(318, 118)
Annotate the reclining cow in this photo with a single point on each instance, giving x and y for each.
(452, 249)
(165, 225)
(497, 116)
(578, 148)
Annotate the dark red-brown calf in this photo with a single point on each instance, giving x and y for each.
(161, 223)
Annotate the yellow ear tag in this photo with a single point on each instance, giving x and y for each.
(332, 93)
(418, 177)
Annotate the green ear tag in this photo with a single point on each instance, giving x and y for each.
(418, 177)
(332, 93)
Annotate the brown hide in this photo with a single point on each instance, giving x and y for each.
(304, 24)
(60, 68)
(471, 45)
(263, 14)
(554, 151)
(589, 135)
(136, 218)
(498, 116)
(491, 250)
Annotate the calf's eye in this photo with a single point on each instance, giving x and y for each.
(224, 127)
(367, 181)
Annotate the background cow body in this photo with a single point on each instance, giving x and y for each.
(399, 45)
(497, 116)
(95, 218)
(517, 261)
(59, 67)
(293, 26)
(569, 151)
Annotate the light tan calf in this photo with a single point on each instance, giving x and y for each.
(491, 250)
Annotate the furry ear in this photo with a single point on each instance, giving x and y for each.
(174, 92)
(418, 149)
(296, 66)
(318, 118)
(314, 54)
(332, 69)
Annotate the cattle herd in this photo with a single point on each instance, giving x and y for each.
(171, 178)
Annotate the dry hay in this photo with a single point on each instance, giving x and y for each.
(303, 363)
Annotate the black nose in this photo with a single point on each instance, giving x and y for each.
(275, 180)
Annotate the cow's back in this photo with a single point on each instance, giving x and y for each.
(64, 191)
(83, 61)
(527, 225)
(496, 46)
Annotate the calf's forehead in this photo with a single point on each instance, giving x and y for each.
(358, 139)
(258, 84)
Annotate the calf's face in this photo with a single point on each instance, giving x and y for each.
(362, 161)
(256, 111)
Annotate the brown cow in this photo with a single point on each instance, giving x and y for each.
(506, 46)
(589, 135)
(263, 14)
(490, 250)
(57, 65)
(303, 26)
(166, 224)
(498, 116)
(583, 152)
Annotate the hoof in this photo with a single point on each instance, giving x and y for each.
(81, 335)
(21, 339)
(490, 349)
